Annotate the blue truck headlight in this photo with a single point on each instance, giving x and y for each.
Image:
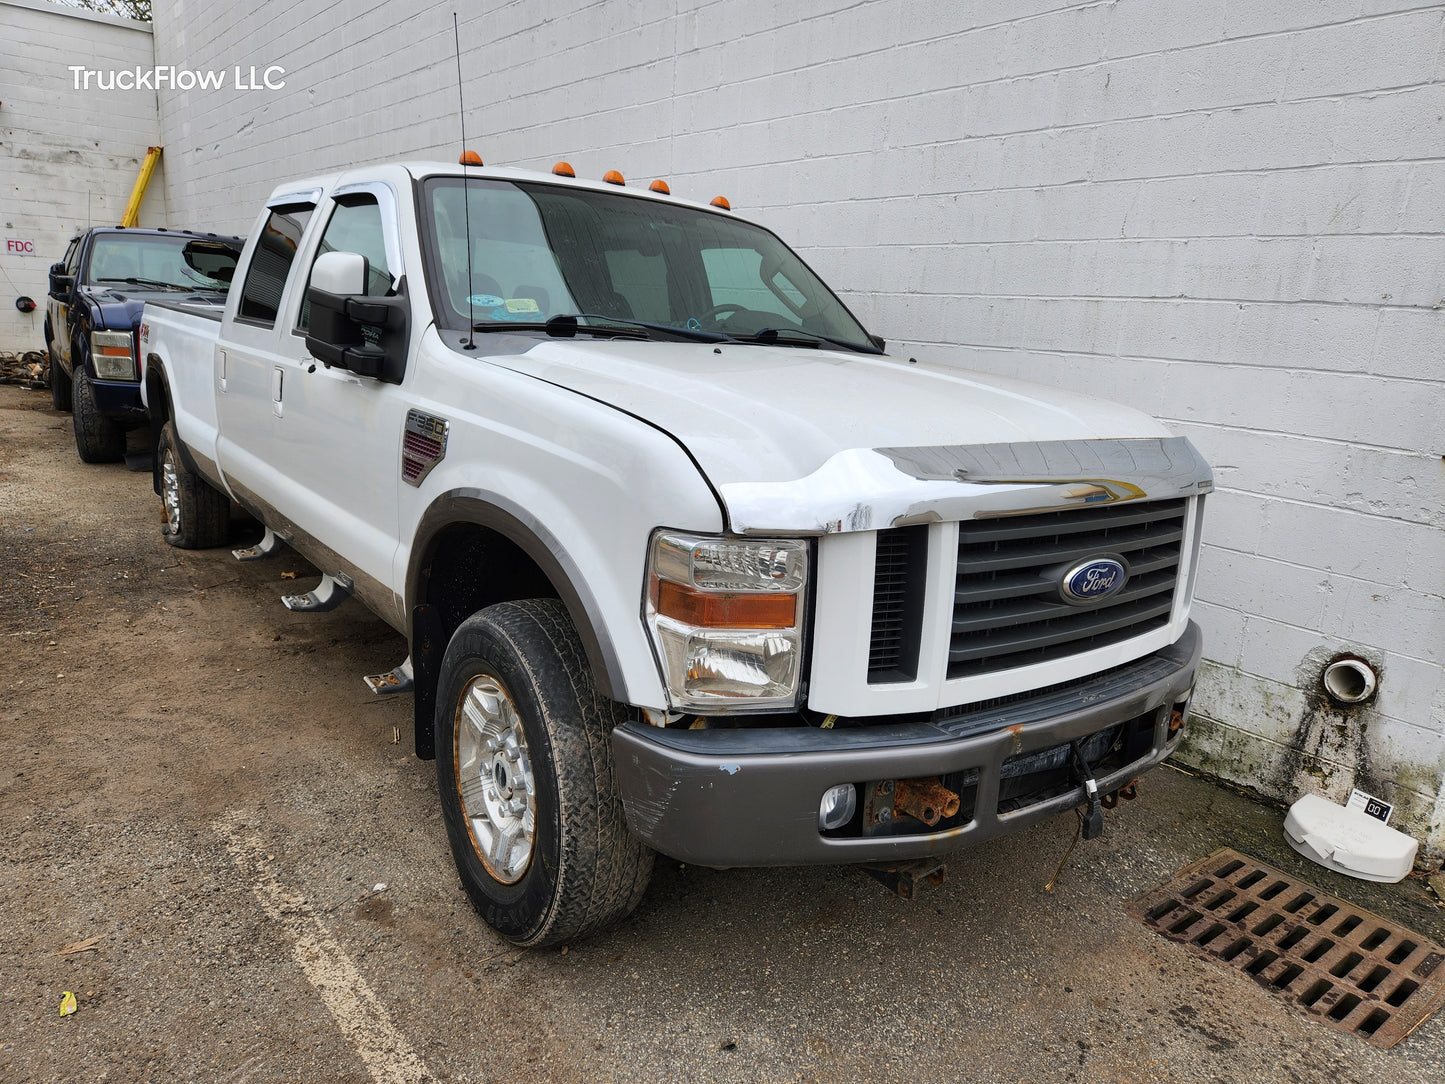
(113, 353)
(726, 618)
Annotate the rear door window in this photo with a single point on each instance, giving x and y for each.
(271, 262)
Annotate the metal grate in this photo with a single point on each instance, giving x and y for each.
(1007, 609)
(1349, 968)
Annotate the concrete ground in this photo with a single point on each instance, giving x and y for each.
(197, 779)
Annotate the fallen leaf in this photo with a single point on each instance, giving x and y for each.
(288, 575)
(67, 1004)
(87, 945)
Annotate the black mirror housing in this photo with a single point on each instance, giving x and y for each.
(368, 336)
(60, 283)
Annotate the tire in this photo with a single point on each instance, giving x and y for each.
(98, 439)
(194, 514)
(60, 392)
(516, 672)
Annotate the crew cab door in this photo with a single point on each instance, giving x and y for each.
(249, 352)
(349, 425)
(59, 308)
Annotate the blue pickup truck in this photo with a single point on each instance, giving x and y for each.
(94, 312)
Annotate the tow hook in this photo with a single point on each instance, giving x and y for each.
(1094, 816)
(1129, 791)
(927, 800)
(908, 879)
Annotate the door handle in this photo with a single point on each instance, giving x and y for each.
(278, 376)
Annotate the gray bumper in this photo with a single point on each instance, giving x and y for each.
(749, 797)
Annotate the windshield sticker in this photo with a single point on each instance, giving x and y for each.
(522, 305)
(484, 301)
(515, 317)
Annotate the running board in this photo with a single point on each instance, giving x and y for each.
(391, 682)
(264, 548)
(330, 593)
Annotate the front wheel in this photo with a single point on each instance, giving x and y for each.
(528, 789)
(98, 439)
(194, 514)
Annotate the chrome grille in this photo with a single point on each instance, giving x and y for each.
(1007, 609)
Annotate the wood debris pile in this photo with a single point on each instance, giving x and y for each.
(30, 369)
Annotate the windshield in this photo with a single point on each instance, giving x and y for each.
(145, 260)
(540, 251)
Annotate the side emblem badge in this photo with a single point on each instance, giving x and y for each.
(1094, 580)
(423, 445)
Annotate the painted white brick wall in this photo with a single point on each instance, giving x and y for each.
(68, 158)
(1226, 212)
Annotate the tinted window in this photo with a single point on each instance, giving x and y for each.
(145, 260)
(271, 263)
(355, 226)
(539, 250)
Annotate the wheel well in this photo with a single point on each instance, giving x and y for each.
(470, 567)
(158, 408)
(466, 567)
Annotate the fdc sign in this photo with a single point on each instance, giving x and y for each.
(25, 247)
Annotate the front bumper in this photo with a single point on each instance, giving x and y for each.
(119, 399)
(749, 797)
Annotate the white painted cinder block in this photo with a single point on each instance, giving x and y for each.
(68, 157)
(1227, 214)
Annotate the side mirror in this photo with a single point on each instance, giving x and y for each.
(367, 335)
(341, 273)
(60, 282)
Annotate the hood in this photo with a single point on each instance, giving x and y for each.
(760, 414)
(120, 305)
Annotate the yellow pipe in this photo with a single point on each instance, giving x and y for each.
(147, 167)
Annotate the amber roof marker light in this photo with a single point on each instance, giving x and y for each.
(613, 177)
(470, 158)
(722, 201)
(563, 169)
(660, 185)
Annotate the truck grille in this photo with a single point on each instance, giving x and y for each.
(1007, 607)
(1007, 611)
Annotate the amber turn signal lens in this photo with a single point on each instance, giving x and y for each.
(113, 351)
(726, 611)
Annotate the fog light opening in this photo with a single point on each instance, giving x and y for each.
(1350, 680)
(837, 807)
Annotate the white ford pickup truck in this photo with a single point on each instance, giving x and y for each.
(685, 561)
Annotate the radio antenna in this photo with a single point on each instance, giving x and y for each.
(466, 202)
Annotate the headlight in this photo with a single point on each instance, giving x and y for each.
(726, 617)
(114, 355)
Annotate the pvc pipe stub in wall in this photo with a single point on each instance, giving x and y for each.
(1350, 680)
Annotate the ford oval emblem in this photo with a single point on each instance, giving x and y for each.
(1094, 579)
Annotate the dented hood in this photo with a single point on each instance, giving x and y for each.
(782, 431)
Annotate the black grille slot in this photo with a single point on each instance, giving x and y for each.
(899, 572)
(1007, 608)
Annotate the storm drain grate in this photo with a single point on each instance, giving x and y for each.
(1352, 969)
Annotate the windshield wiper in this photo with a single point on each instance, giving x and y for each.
(148, 282)
(774, 336)
(566, 325)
